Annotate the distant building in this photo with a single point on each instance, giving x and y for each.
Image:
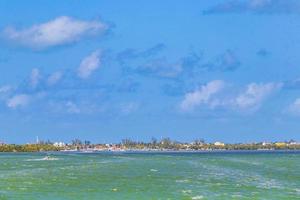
(59, 144)
(293, 143)
(219, 144)
(266, 143)
(280, 144)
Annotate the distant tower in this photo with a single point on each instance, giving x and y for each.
(37, 140)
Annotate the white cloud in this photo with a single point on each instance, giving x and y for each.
(83, 107)
(89, 64)
(60, 31)
(54, 78)
(35, 77)
(5, 92)
(5, 89)
(294, 108)
(202, 96)
(256, 6)
(255, 94)
(128, 108)
(160, 67)
(249, 100)
(19, 100)
(72, 108)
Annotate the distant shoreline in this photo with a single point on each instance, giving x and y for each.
(164, 145)
(160, 151)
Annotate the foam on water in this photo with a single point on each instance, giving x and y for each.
(186, 191)
(197, 197)
(42, 159)
(182, 181)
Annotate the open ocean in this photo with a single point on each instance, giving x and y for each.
(211, 175)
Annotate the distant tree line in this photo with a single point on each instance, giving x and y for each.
(200, 144)
(153, 144)
(28, 148)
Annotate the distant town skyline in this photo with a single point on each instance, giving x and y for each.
(107, 70)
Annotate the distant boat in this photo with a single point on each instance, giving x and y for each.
(49, 158)
(46, 158)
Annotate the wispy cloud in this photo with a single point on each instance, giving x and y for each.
(203, 95)
(160, 67)
(70, 91)
(5, 88)
(211, 96)
(80, 106)
(19, 100)
(153, 50)
(88, 65)
(59, 31)
(35, 77)
(227, 61)
(256, 6)
(255, 94)
(294, 108)
(128, 108)
(72, 107)
(5, 92)
(194, 62)
(130, 53)
(148, 62)
(292, 84)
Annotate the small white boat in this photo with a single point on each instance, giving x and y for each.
(46, 158)
(49, 158)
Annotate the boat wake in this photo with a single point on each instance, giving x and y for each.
(43, 159)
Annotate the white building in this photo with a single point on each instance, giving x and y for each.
(219, 144)
(294, 143)
(59, 144)
(266, 143)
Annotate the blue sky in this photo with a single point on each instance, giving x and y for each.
(107, 70)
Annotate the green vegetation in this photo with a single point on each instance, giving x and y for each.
(168, 144)
(153, 144)
(28, 148)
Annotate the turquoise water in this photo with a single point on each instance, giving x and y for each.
(150, 176)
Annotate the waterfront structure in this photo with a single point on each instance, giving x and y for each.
(219, 144)
(59, 144)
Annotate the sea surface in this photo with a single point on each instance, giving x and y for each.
(210, 175)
